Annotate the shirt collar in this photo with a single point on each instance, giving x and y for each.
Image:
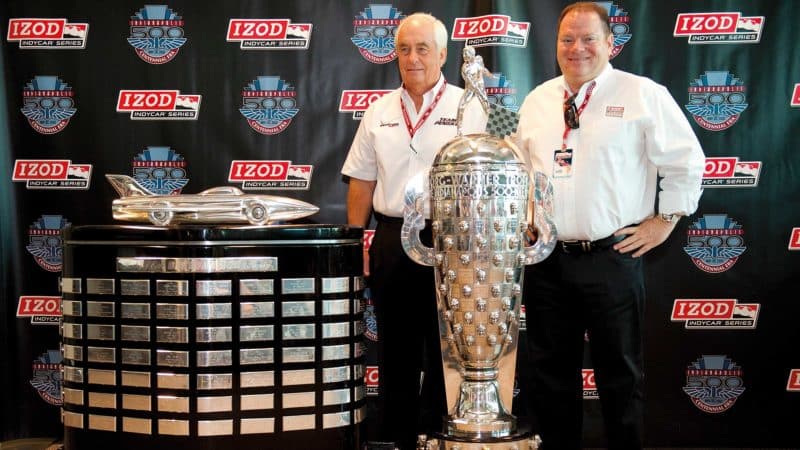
(427, 97)
(600, 79)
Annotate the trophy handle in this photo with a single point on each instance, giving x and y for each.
(542, 220)
(414, 222)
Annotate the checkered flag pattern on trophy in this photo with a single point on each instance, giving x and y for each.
(502, 121)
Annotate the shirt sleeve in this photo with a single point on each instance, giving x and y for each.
(361, 162)
(674, 149)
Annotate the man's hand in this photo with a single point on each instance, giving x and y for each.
(644, 237)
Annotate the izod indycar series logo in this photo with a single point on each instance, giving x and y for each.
(270, 175)
(719, 28)
(730, 172)
(795, 101)
(589, 386)
(159, 104)
(47, 33)
(715, 314)
(794, 239)
(715, 242)
(373, 32)
(372, 380)
(156, 34)
(42, 309)
(52, 174)
(269, 34)
(48, 104)
(793, 385)
(716, 100)
(357, 101)
(493, 29)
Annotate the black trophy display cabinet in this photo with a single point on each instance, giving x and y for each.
(212, 337)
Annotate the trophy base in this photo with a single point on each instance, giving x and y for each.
(522, 439)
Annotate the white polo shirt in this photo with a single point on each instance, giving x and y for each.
(631, 131)
(383, 150)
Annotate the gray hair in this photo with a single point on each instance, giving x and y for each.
(439, 30)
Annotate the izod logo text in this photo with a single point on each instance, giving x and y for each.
(257, 29)
(30, 305)
(36, 29)
(700, 23)
(258, 170)
(32, 169)
(491, 25)
(146, 100)
(355, 100)
(702, 309)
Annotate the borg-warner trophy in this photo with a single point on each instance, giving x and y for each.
(479, 205)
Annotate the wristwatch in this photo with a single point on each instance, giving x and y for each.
(669, 218)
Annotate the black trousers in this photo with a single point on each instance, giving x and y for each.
(408, 337)
(601, 292)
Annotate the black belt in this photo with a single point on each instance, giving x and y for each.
(589, 246)
(389, 220)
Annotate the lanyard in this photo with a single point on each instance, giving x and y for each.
(567, 129)
(413, 130)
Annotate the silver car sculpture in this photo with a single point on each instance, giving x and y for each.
(224, 204)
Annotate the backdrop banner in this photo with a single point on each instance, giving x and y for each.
(267, 96)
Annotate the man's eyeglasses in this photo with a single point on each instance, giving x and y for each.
(571, 112)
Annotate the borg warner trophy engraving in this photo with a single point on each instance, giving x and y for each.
(479, 203)
(224, 204)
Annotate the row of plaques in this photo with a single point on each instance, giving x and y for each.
(206, 288)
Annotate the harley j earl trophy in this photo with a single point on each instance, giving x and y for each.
(480, 194)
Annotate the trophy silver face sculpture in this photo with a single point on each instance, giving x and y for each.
(479, 203)
(224, 204)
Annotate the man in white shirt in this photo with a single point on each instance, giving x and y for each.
(399, 137)
(604, 137)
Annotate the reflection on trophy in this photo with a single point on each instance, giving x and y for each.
(479, 203)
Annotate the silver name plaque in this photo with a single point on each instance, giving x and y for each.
(100, 286)
(73, 374)
(137, 356)
(214, 404)
(335, 374)
(255, 310)
(72, 330)
(335, 307)
(256, 356)
(173, 380)
(297, 285)
(298, 399)
(73, 352)
(214, 288)
(212, 358)
(136, 402)
(213, 334)
(72, 419)
(101, 376)
(297, 309)
(136, 425)
(298, 354)
(304, 422)
(72, 396)
(102, 400)
(100, 309)
(172, 288)
(257, 401)
(335, 330)
(256, 287)
(197, 265)
(136, 379)
(173, 427)
(208, 311)
(71, 308)
(103, 423)
(211, 381)
(100, 332)
(174, 335)
(298, 331)
(254, 333)
(257, 379)
(336, 397)
(334, 352)
(175, 311)
(137, 333)
(222, 427)
(335, 285)
(169, 403)
(172, 358)
(298, 377)
(134, 287)
(71, 285)
(135, 310)
(256, 426)
(100, 354)
(336, 420)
